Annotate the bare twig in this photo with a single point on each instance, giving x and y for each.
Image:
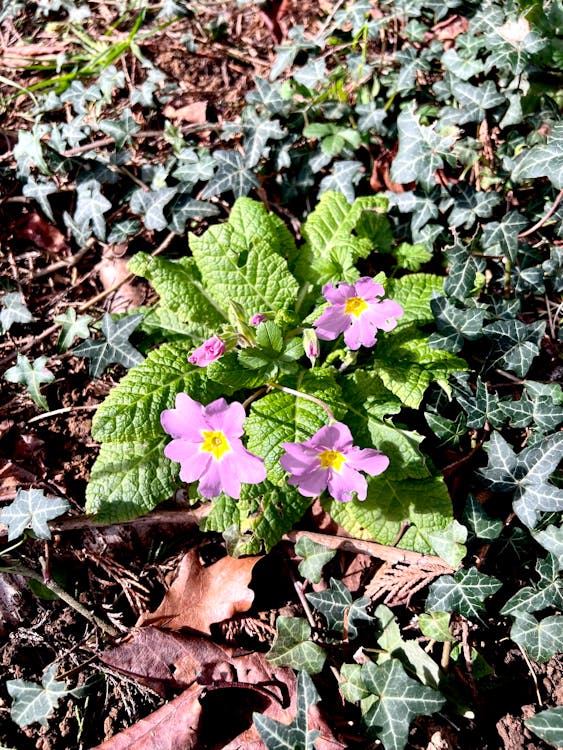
(542, 221)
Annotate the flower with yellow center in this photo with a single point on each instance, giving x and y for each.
(215, 442)
(332, 460)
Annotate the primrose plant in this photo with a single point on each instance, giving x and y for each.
(281, 373)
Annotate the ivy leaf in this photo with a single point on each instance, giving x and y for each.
(541, 639)
(476, 100)
(150, 205)
(516, 343)
(315, 557)
(122, 230)
(398, 700)
(468, 205)
(114, 348)
(28, 151)
(436, 626)
(465, 592)
(293, 647)
(546, 593)
(543, 160)
(267, 95)
(297, 735)
(32, 509)
(232, 174)
(421, 151)
(91, 206)
(481, 407)
(72, 327)
(257, 136)
(14, 310)
(455, 325)
(479, 523)
(548, 725)
(345, 174)
(33, 702)
(336, 604)
(551, 539)
(526, 474)
(185, 208)
(449, 543)
(462, 273)
(31, 376)
(39, 190)
(122, 130)
(501, 238)
(332, 244)
(407, 365)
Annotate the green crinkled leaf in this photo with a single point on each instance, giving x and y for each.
(540, 638)
(414, 293)
(297, 735)
(262, 515)
(245, 267)
(425, 503)
(129, 479)
(179, 286)
(337, 606)
(231, 373)
(544, 160)
(315, 557)
(465, 592)
(410, 256)
(251, 219)
(293, 647)
(283, 418)
(407, 365)
(363, 391)
(32, 509)
(332, 247)
(402, 448)
(33, 702)
(131, 411)
(548, 725)
(398, 700)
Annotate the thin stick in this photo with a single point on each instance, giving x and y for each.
(66, 410)
(542, 221)
(67, 263)
(534, 678)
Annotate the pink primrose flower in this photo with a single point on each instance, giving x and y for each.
(357, 312)
(208, 447)
(208, 352)
(330, 460)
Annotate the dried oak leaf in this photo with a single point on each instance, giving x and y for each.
(165, 661)
(202, 596)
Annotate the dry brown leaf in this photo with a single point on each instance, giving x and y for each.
(113, 272)
(202, 596)
(12, 477)
(163, 661)
(514, 32)
(42, 235)
(194, 112)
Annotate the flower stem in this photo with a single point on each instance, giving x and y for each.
(301, 394)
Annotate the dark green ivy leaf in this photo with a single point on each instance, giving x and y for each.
(114, 348)
(465, 592)
(336, 604)
(516, 344)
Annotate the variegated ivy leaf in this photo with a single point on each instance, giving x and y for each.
(465, 593)
(297, 735)
(460, 65)
(547, 592)
(77, 95)
(475, 100)
(315, 557)
(150, 204)
(33, 702)
(32, 509)
(454, 324)
(72, 327)
(293, 647)
(545, 160)
(31, 375)
(28, 151)
(337, 606)
(421, 151)
(548, 725)
(526, 474)
(257, 135)
(467, 205)
(194, 166)
(480, 406)
(39, 190)
(185, 208)
(122, 230)
(114, 347)
(122, 130)
(232, 174)
(311, 74)
(268, 95)
(463, 268)
(516, 344)
(345, 174)
(479, 523)
(551, 539)
(91, 206)
(371, 117)
(501, 238)
(540, 638)
(14, 310)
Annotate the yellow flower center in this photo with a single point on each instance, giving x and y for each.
(355, 306)
(332, 460)
(215, 442)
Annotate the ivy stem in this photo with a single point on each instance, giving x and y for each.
(307, 396)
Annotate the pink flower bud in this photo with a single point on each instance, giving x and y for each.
(208, 352)
(255, 320)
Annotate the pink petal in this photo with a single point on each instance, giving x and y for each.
(337, 295)
(341, 485)
(210, 484)
(195, 467)
(230, 482)
(352, 335)
(333, 437)
(311, 484)
(368, 289)
(228, 418)
(369, 460)
(186, 420)
(246, 466)
(366, 330)
(331, 323)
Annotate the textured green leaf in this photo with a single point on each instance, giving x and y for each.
(410, 256)
(180, 289)
(544, 160)
(262, 515)
(32, 509)
(33, 702)
(129, 479)
(114, 347)
(548, 725)
(315, 557)
(414, 293)
(436, 626)
(293, 647)
(407, 365)
(283, 418)
(13, 310)
(251, 219)
(465, 592)
(541, 639)
(31, 375)
(425, 503)
(517, 343)
(402, 448)
(132, 409)
(336, 604)
(332, 247)
(399, 700)
(297, 735)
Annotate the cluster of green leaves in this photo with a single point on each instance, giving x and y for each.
(251, 265)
